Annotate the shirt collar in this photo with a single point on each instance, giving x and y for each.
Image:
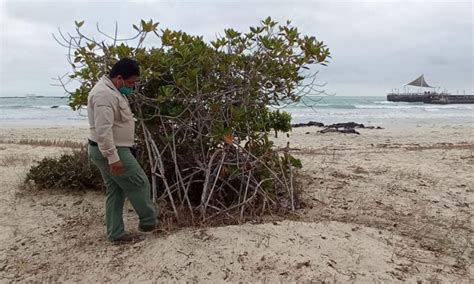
(109, 83)
(106, 80)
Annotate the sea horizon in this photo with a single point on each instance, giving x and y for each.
(54, 111)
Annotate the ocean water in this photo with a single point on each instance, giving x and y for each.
(371, 110)
(377, 110)
(39, 112)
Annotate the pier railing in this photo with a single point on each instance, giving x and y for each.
(431, 98)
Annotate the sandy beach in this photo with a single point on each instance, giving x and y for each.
(388, 205)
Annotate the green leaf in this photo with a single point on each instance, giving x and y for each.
(295, 162)
(79, 24)
(230, 33)
(267, 21)
(215, 44)
(167, 90)
(91, 46)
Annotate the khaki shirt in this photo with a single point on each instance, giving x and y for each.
(111, 120)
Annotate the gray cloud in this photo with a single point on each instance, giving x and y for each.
(375, 46)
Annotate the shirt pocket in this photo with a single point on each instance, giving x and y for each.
(125, 111)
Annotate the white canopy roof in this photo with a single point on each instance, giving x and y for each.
(419, 82)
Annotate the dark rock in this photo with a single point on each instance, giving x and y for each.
(347, 131)
(346, 125)
(311, 123)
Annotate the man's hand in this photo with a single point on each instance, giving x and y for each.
(116, 168)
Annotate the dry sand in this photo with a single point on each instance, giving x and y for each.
(387, 205)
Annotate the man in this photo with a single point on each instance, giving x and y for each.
(112, 129)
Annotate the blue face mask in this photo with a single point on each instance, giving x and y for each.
(125, 90)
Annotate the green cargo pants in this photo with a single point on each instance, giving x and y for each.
(133, 184)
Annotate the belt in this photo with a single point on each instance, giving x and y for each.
(92, 143)
(132, 149)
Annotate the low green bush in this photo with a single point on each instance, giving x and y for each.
(69, 171)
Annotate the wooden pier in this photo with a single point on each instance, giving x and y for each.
(431, 98)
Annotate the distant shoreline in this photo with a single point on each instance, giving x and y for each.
(33, 97)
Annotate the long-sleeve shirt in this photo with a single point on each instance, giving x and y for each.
(111, 121)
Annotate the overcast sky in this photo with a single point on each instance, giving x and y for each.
(375, 45)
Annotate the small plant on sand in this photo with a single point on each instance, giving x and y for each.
(69, 171)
